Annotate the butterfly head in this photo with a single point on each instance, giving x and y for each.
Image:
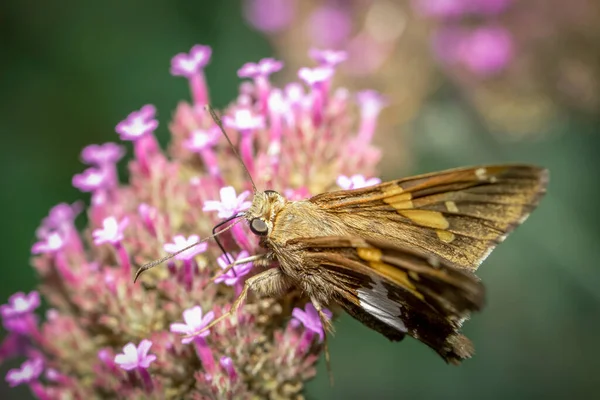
(262, 212)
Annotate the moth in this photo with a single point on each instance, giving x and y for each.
(399, 256)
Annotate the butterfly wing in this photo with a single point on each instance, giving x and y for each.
(396, 290)
(458, 215)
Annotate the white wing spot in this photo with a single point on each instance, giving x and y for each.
(377, 303)
(481, 174)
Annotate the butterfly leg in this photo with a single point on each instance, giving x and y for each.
(255, 259)
(269, 283)
(327, 327)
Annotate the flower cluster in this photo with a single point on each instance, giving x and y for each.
(484, 50)
(105, 336)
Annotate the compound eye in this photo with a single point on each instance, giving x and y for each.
(259, 227)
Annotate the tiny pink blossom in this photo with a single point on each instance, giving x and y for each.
(53, 242)
(229, 204)
(138, 123)
(91, 179)
(244, 120)
(232, 277)
(102, 154)
(30, 371)
(264, 67)
(135, 357)
(313, 76)
(189, 64)
(371, 102)
(63, 214)
(356, 182)
(194, 322)
(111, 231)
(309, 317)
(20, 304)
(227, 365)
(201, 139)
(180, 242)
(329, 58)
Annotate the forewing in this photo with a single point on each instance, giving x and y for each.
(457, 215)
(397, 290)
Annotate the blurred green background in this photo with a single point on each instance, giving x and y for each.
(71, 70)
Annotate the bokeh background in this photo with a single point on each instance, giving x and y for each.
(468, 81)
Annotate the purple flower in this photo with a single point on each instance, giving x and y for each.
(135, 357)
(356, 182)
(91, 180)
(270, 15)
(309, 317)
(202, 139)
(111, 231)
(194, 322)
(290, 140)
(52, 243)
(487, 50)
(442, 8)
(138, 123)
(329, 26)
(244, 120)
(102, 154)
(329, 58)
(189, 64)
(30, 371)
(264, 67)
(229, 204)
(232, 277)
(180, 242)
(20, 304)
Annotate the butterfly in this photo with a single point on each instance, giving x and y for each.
(400, 256)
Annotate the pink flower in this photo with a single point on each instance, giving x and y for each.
(180, 242)
(138, 124)
(356, 182)
(227, 364)
(313, 76)
(230, 204)
(487, 50)
(102, 154)
(233, 276)
(202, 139)
(194, 322)
(329, 25)
(244, 120)
(52, 243)
(135, 357)
(329, 58)
(270, 15)
(189, 64)
(289, 139)
(309, 317)
(30, 371)
(111, 231)
(264, 67)
(91, 180)
(20, 304)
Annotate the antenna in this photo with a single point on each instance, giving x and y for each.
(217, 120)
(154, 263)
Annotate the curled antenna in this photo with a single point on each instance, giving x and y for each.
(154, 263)
(217, 120)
